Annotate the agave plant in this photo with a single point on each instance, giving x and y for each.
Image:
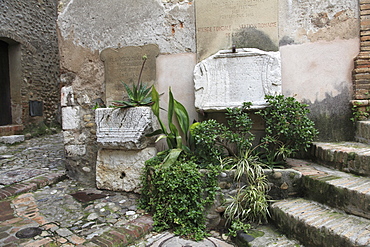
(139, 95)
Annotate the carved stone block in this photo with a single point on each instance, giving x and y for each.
(120, 170)
(125, 128)
(228, 79)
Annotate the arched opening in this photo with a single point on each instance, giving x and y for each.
(5, 94)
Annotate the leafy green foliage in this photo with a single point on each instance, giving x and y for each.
(288, 129)
(360, 113)
(250, 203)
(139, 95)
(177, 195)
(173, 134)
(236, 226)
(214, 140)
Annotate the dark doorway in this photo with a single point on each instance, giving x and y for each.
(5, 105)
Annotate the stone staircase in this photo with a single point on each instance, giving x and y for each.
(334, 208)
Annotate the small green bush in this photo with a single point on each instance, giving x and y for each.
(177, 195)
(288, 128)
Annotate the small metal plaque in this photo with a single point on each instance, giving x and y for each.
(36, 108)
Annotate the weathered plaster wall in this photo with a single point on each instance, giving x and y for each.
(29, 26)
(318, 42)
(86, 29)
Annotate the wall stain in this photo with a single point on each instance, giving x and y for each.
(332, 117)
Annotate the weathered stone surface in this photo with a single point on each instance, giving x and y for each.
(120, 170)
(228, 79)
(311, 21)
(67, 98)
(124, 65)
(363, 131)
(71, 117)
(116, 23)
(30, 29)
(125, 128)
(221, 24)
(11, 139)
(75, 150)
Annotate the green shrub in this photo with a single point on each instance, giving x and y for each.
(214, 140)
(288, 128)
(177, 195)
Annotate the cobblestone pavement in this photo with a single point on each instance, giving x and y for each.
(40, 207)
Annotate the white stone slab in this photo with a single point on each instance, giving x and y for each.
(228, 79)
(12, 139)
(71, 117)
(120, 170)
(125, 128)
(75, 150)
(67, 97)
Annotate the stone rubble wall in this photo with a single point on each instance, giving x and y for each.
(32, 24)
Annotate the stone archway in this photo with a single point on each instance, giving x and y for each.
(5, 96)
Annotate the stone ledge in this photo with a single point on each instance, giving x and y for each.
(352, 157)
(31, 185)
(11, 139)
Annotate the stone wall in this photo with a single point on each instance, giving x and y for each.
(361, 72)
(318, 41)
(85, 30)
(29, 27)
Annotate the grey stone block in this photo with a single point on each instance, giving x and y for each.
(12, 139)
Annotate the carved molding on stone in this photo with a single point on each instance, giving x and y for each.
(125, 128)
(228, 79)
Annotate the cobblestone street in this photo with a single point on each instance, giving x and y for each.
(53, 210)
(40, 206)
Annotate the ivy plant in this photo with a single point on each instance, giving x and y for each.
(177, 195)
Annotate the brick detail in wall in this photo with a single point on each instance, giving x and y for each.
(361, 72)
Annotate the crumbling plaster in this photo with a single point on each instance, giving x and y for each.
(99, 25)
(312, 20)
(319, 41)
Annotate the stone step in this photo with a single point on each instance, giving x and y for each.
(11, 139)
(353, 157)
(337, 189)
(271, 237)
(363, 131)
(315, 224)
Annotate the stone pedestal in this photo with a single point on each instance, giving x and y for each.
(228, 79)
(121, 170)
(124, 148)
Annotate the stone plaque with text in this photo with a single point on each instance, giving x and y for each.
(243, 23)
(124, 65)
